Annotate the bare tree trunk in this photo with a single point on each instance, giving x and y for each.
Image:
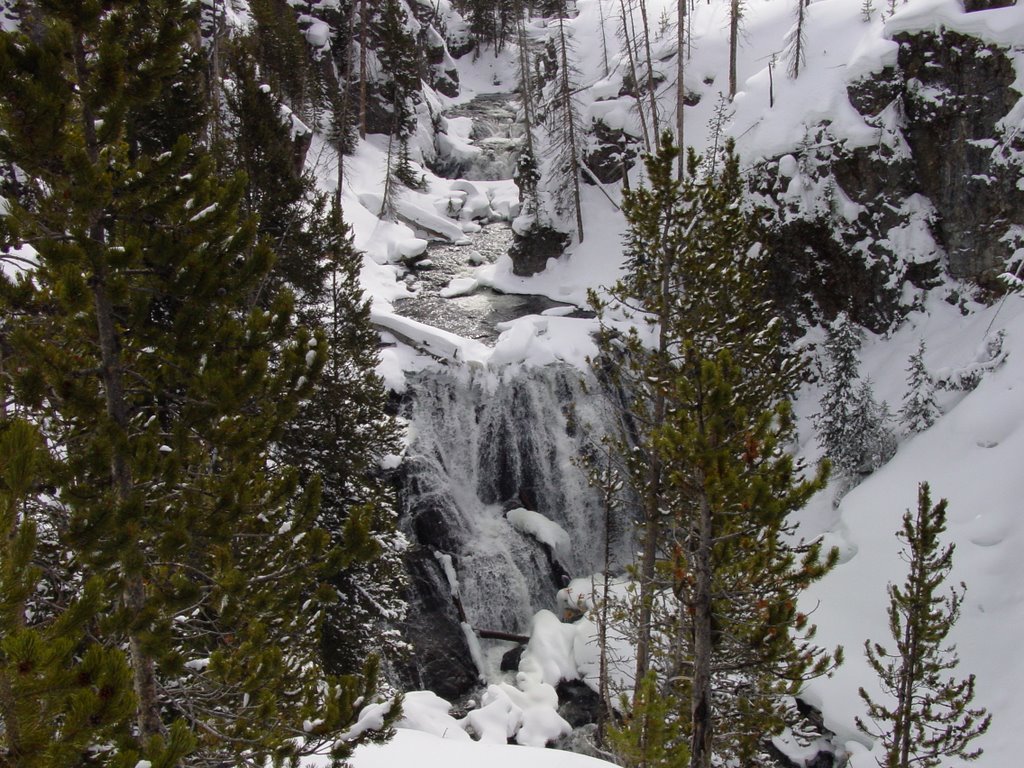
(341, 116)
(651, 88)
(633, 73)
(734, 33)
(526, 84)
(604, 38)
(605, 710)
(570, 118)
(364, 20)
(680, 85)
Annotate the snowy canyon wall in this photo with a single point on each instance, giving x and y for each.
(858, 227)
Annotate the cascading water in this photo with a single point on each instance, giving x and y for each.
(495, 135)
(481, 443)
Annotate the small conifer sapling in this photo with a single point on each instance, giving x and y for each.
(929, 714)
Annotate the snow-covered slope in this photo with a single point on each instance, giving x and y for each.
(971, 456)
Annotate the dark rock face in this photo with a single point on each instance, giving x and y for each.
(612, 153)
(983, 5)
(849, 227)
(440, 660)
(578, 703)
(530, 252)
(510, 660)
(955, 91)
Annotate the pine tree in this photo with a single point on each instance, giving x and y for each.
(164, 384)
(61, 694)
(832, 422)
(796, 41)
(931, 717)
(404, 171)
(710, 415)
(919, 409)
(651, 734)
(872, 442)
(852, 427)
(396, 51)
(279, 195)
(342, 435)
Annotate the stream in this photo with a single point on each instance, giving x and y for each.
(474, 315)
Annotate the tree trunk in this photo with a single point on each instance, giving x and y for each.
(604, 38)
(734, 33)
(364, 20)
(633, 74)
(701, 707)
(680, 87)
(570, 118)
(652, 502)
(526, 84)
(111, 374)
(651, 88)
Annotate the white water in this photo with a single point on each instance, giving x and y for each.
(483, 443)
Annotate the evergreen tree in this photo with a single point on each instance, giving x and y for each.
(919, 409)
(62, 695)
(832, 422)
(870, 428)
(931, 717)
(651, 734)
(404, 171)
(343, 436)
(711, 385)
(396, 51)
(853, 428)
(164, 386)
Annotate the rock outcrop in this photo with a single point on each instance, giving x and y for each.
(850, 228)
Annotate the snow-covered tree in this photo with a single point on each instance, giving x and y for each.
(930, 716)
(838, 400)
(852, 427)
(919, 409)
(870, 439)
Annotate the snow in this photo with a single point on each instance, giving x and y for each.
(971, 455)
(429, 751)
(543, 529)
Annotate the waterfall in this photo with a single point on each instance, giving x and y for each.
(481, 443)
(490, 148)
